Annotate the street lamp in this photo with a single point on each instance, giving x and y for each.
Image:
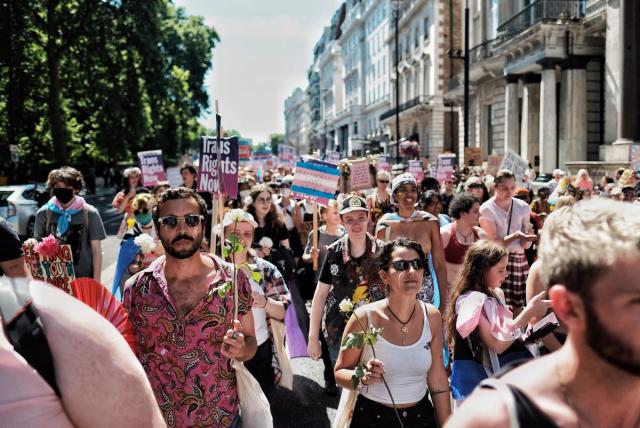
(396, 17)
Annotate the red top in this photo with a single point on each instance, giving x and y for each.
(454, 251)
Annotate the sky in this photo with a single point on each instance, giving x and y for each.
(265, 50)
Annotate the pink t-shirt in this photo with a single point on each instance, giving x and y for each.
(193, 383)
(519, 220)
(26, 400)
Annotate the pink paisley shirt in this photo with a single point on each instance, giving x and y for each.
(194, 384)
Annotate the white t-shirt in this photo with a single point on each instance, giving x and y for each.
(259, 316)
(520, 219)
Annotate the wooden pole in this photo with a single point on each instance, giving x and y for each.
(221, 214)
(315, 234)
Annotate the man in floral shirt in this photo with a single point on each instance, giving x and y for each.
(343, 276)
(182, 308)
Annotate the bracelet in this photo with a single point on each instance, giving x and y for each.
(440, 391)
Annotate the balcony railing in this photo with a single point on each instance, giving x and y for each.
(541, 11)
(422, 99)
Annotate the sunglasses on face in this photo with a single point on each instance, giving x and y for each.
(383, 181)
(475, 186)
(141, 211)
(402, 265)
(171, 221)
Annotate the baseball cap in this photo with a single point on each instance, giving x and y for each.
(353, 203)
(405, 178)
(238, 215)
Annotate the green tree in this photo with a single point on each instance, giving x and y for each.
(275, 140)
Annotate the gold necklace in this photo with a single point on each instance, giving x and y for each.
(404, 329)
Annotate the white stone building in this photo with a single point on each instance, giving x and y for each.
(297, 121)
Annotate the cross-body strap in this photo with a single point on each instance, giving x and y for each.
(507, 397)
(24, 330)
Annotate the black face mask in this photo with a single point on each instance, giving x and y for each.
(63, 195)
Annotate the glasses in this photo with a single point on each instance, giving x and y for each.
(171, 221)
(475, 186)
(263, 200)
(383, 181)
(141, 211)
(402, 265)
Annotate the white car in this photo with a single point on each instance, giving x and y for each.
(19, 204)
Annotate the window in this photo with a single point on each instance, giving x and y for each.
(355, 128)
(416, 37)
(426, 28)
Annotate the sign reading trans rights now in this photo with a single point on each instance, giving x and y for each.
(315, 181)
(218, 172)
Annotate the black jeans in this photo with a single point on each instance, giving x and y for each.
(260, 367)
(370, 414)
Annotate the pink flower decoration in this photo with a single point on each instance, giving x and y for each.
(49, 247)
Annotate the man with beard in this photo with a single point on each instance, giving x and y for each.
(181, 308)
(590, 256)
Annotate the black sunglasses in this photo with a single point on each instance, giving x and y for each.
(402, 265)
(171, 221)
(383, 181)
(143, 211)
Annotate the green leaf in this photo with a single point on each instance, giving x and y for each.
(353, 340)
(256, 276)
(372, 335)
(226, 252)
(355, 381)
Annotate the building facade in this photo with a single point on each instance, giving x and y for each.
(297, 119)
(544, 80)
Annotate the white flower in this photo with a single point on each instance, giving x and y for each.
(346, 306)
(31, 242)
(236, 215)
(146, 243)
(265, 243)
(217, 229)
(248, 201)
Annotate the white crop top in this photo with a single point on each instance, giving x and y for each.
(405, 368)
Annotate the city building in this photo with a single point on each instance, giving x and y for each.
(545, 81)
(297, 122)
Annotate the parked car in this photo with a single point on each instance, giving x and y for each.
(19, 204)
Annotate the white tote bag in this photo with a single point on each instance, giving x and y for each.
(286, 377)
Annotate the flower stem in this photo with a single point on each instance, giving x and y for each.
(395, 408)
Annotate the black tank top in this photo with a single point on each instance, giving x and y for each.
(528, 413)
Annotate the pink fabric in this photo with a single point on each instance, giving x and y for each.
(77, 204)
(26, 400)
(584, 184)
(193, 383)
(469, 309)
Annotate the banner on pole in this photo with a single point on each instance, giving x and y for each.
(56, 270)
(445, 167)
(415, 169)
(315, 181)
(359, 177)
(152, 167)
(218, 172)
(515, 163)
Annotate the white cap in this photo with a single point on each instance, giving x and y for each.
(238, 215)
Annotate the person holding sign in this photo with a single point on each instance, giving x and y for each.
(72, 221)
(505, 219)
(420, 226)
(183, 319)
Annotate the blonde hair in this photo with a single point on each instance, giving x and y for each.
(143, 200)
(383, 174)
(565, 201)
(627, 178)
(579, 243)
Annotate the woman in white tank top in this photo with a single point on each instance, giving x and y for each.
(408, 350)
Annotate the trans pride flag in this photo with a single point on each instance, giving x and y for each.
(315, 181)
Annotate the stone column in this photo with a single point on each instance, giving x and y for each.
(628, 111)
(573, 111)
(511, 114)
(420, 79)
(548, 122)
(530, 130)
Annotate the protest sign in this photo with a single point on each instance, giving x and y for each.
(635, 157)
(218, 172)
(244, 150)
(269, 164)
(445, 167)
(174, 177)
(262, 154)
(315, 181)
(473, 156)
(514, 163)
(415, 169)
(493, 164)
(359, 176)
(383, 163)
(152, 167)
(56, 270)
(333, 157)
(286, 155)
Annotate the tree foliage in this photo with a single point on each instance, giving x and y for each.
(103, 79)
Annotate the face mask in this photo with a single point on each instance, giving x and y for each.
(144, 218)
(63, 195)
(286, 193)
(243, 194)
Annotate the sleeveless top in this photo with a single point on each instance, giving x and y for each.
(454, 252)
(405, 367)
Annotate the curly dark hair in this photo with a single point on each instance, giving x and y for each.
(178, 193)
(462, 203)
(481, 256)
(67, 175)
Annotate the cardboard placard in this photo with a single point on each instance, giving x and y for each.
(174, 177)
(415, 169)
(152, 166)
(359, 177)
(473, 156)
(57, 270)
(315, 181)
(515, 163)
(493, 164)
(333, 157)
(218, 172)
(445, 167)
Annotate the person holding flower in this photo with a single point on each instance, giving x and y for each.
(270, 297)
(392, 348)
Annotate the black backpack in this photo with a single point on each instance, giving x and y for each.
(23, 328)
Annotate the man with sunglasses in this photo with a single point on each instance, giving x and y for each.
(182, 309)
(344, 275)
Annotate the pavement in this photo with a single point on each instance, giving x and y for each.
(306, 406)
